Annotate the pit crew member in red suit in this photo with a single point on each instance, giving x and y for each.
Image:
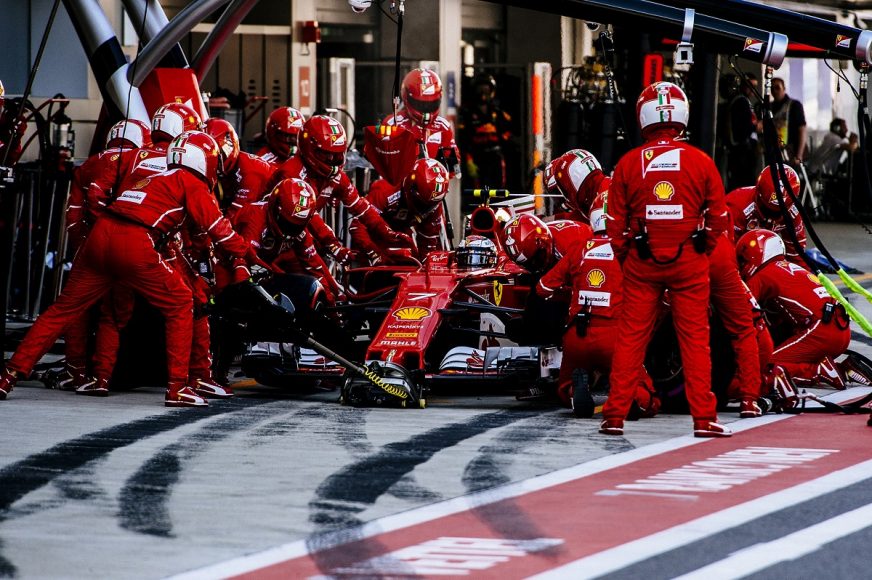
(121, 250)
(734, 305)
(791, 295)
(168, 122)
(277, 228)
(110, 166)
(593, 273)
(758, 207)
(579, 178)
(422, 95)
(282, 132)
(416, 207)
(537, 246)
(244, 177)
(322, 155)
(667, 210)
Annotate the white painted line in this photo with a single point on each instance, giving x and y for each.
(761, 556)
(449, 507)
(630, 553)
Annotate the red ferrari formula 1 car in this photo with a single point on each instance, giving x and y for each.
(459, 321)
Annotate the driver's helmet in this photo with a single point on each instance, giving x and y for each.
(476, 252)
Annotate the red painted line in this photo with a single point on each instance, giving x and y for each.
(594, 513)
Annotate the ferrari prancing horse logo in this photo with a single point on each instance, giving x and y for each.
(498, 292)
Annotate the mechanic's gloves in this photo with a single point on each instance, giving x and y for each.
(341, 254)
(201, 290)
(373, 257)
(399, 239)
(252, 259)
(399, 255)
(241, 273)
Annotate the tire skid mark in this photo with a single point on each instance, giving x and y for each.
(80, 484)
(144, 499)
(351, 490)
(353, 438)
(489, 469)
(7, 568)
(338, 423)
(39, 469)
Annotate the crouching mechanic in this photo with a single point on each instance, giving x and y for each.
(244, 176)
(276, 227)
(414, 208)
(537, 247)
(579, 178)
(323, 146)
(791, 296)
(282, 133)
(594, 274)
(666, 204)
(759, 207)
(121, 250)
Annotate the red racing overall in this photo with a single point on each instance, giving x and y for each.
(790, 294)
(120, 251)
(595, 275)
(664, 189)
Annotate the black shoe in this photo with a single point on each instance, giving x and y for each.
(582, 401)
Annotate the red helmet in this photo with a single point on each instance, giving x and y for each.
(129, 133)
(323, 145)
(291, 205)
(767, 198)
(756, 248)
(662, 105)
(197, 152)
(425, 187)
(422, 94)
(283, 128)
(599, 213)
(225, 135)
(529, 242)
(476, 252)
(172, 120)
(567, 174)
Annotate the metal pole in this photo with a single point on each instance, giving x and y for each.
(63, 239)
(155, 21)
(28, 233)
(107, 60)
(714, 34)
(844, 41)
(42, 266)
(212, 45)
(17, 119)
(161, 44)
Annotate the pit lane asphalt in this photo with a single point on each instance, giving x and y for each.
(124, 488)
